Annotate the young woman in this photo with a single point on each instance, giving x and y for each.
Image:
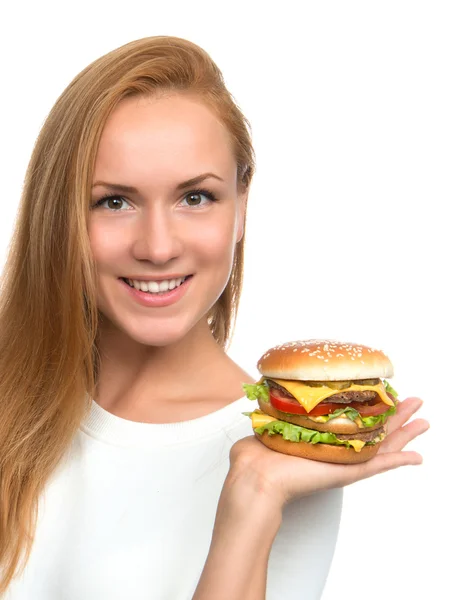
(127, 469)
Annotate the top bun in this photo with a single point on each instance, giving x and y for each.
(324, 360)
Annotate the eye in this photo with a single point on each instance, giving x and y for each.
(195, 197)
(118, 200)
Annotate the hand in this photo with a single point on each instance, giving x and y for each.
(283, 478)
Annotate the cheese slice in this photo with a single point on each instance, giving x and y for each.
(356, 444)
(309, 396)
(259, 419)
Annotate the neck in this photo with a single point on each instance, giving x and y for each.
(132, 370)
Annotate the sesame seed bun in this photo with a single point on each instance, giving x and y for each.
(324, 360)
(321, 452)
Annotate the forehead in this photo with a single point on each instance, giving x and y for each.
(166, 139)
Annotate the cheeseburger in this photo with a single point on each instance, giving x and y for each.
(323, 400)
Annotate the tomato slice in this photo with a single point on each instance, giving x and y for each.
(367, 410)
(290, 405)
(326, 408)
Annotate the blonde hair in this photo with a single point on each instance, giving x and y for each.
(48, 305)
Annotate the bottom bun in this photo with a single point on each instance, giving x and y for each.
(322, 452)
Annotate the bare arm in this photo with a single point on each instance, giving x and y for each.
(245, 527)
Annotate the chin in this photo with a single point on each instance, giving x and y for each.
(155, 334)
(148, 331)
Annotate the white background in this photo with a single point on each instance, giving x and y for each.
(359, 224)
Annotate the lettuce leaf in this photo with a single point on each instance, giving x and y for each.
(389, 389)
(295, 433)
(379, 419)
(353, 414)
(255, 391)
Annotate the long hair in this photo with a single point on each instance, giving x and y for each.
(49, 319)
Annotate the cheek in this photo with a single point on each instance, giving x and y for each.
(96, 241)
(216, 241)
(104, 242)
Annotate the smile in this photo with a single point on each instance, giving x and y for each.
(155, 287)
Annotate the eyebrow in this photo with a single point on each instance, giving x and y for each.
(132, 190)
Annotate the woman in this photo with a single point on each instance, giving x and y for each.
(127, 467)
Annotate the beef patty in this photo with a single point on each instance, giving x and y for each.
(341, 398)
(365, 437)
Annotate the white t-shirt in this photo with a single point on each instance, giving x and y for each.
(129, 512)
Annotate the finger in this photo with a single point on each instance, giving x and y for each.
(393, 460)
(405, 410)
(383, 462)
(398, 439)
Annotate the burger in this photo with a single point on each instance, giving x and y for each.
(323, 400)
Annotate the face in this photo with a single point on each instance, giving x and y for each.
(161, 226)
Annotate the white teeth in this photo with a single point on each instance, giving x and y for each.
(155, 287)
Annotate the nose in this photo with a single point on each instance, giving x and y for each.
(157, 237)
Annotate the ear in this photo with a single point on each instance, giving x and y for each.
(242, 211)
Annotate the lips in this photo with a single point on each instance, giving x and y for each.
(157, 299)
